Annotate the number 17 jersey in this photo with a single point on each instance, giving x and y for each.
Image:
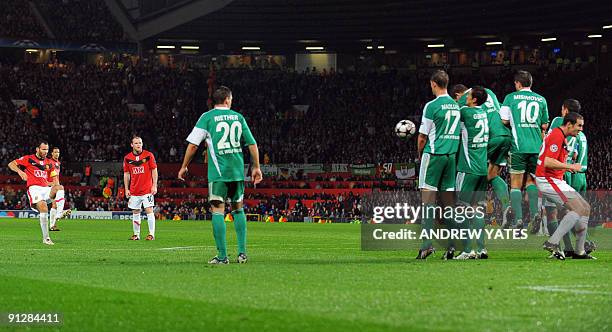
(440, 122)
(225, 133)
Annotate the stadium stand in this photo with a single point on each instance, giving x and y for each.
(17, 20)
(86, 110)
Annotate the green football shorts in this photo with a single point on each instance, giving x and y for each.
(219, 191)
(471, 188)
(498, 149)
(523, 162)
(437, 172)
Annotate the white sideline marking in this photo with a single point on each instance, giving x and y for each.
(184, 248)
(566, 289)
(294, 246)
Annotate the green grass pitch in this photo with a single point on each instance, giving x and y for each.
(300, 277)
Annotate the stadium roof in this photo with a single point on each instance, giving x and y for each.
(351, 24)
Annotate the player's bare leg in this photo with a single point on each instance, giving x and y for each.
(150, 223)
(219, 230)
(500, 187)
(53, 217)
(44, 224)
(136, 225)
(428, 197)
(447, 198)
(240, 225)
(57, 194)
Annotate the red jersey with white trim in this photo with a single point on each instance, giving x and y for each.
(553, 147)
(36, 169)
(55, 165)
(140, 168)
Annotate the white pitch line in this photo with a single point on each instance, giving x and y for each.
(184, 248)
(566, 289)
(167, 249)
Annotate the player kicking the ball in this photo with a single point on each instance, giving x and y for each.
(140, 181)
(549, 179)
(225, 132)
(56, 166)
(34, 169)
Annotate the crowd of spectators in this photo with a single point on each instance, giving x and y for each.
(87, 111)
(17, 20)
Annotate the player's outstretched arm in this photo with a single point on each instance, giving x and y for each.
(126, 184)
(256, 175)
(13, 166)
(189, 154)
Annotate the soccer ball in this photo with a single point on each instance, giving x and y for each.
(405, 129)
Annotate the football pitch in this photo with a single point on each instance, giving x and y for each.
(299, 277)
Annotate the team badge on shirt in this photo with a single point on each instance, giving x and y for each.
(554, 148)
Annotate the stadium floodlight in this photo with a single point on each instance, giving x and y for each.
(165, 46)
(369, 47)
(185, 47)
(594, 36)
(31, 50)
(251, 48)
(607, 27)
(493, 43)
(549, 39)
(315, 48)
(381, 47)
(435, 45)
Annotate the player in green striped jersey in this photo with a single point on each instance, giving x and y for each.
(569, 105)
(497, 148)
(526, 112)
(472, 167)
(579, 178)
(225, 133)
(438, 142)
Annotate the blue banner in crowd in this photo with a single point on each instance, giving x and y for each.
(130, 48)
(31, 214)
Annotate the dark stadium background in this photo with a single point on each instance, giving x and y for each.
(322, 84)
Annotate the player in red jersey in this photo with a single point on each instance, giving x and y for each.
(34, 169)
(140, 180)
(55, 166)
(549, 178)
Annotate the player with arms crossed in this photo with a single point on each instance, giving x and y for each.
(526, 112)
(36, 169)
(438, 143)
(54, 181)
(140, 181)
(225, 133)
(500, 141)
(472, 167)
(549, 179)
